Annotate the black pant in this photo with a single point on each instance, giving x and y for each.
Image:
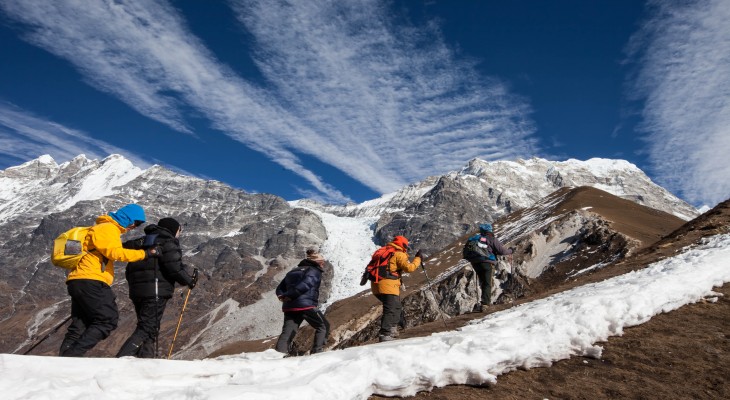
(94, 316)
(392, 310)
(142, 341)
(292, 320)
(485, 271)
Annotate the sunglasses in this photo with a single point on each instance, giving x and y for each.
(138, 223)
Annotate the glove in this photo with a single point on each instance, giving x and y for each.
(153, 252)
(419, 255)
(194, 280)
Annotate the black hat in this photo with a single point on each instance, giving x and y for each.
(170, 224)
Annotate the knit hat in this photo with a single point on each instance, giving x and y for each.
(401, 241)
(313, 254)
(128, 214)
(485, 228)
(170, 224)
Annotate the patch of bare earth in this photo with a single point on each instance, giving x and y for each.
(684, 354)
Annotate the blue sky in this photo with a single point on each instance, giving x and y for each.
(344, 100)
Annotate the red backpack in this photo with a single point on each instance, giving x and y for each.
(377, 268)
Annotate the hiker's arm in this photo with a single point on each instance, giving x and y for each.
(171, 262)
(500, 249)
(107, 242)
(401, 260)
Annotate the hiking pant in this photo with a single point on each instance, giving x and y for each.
(142, 341)
(485, 271)
(392, 310)
(292, 320)
(94, 316)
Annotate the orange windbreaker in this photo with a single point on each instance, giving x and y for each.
(398, 263)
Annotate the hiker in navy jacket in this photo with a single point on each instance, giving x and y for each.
(299, 294)
(485, 262)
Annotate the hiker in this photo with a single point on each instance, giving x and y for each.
(299, 294)
(387, 287)
(94, 313)
(152, 283)
(480, 251)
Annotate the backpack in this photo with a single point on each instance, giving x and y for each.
(472, 251)
(377, 268)
(68, 247)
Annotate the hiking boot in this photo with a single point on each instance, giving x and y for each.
(483, 307)
(385, 338)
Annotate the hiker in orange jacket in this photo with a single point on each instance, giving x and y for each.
(387, 289)
(94, 311)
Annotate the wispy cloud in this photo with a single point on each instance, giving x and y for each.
(384, 94)
(385, 104)
(24, 136)
(683, 52)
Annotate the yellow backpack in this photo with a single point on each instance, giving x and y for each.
(68, 247)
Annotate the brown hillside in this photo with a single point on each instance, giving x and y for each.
(684, 354)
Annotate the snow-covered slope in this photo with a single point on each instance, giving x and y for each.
(533, 335)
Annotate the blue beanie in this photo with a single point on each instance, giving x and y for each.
(485, 228)
(126, 215)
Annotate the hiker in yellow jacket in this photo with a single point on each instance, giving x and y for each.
(94, 313)
(387, 289)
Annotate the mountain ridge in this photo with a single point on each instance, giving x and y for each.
(232, 236)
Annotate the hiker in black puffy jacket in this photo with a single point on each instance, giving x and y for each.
(152, 283)
(299, 294)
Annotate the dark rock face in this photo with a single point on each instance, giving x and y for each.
(452, 208)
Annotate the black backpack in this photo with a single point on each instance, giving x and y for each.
(473, 251)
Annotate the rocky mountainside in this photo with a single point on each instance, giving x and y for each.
(244, 243)
(569, 235)
(441, 209)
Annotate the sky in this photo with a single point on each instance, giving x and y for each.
(535, 334)
(343, 101)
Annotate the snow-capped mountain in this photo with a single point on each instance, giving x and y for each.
(439, 209)
(41, 186)
(244, 243)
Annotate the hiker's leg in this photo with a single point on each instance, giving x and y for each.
(98, 303)
(146, 325)
(321, 327)
(292, 320)
(483, 274)
(488, 279)
(391, 314)
(77, 327)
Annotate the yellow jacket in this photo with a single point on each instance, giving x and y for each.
(104, 246)
(398, 263)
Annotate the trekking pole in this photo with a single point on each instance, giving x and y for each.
(178, 324)
(423, 265)
(54, 330)
(157, 314)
